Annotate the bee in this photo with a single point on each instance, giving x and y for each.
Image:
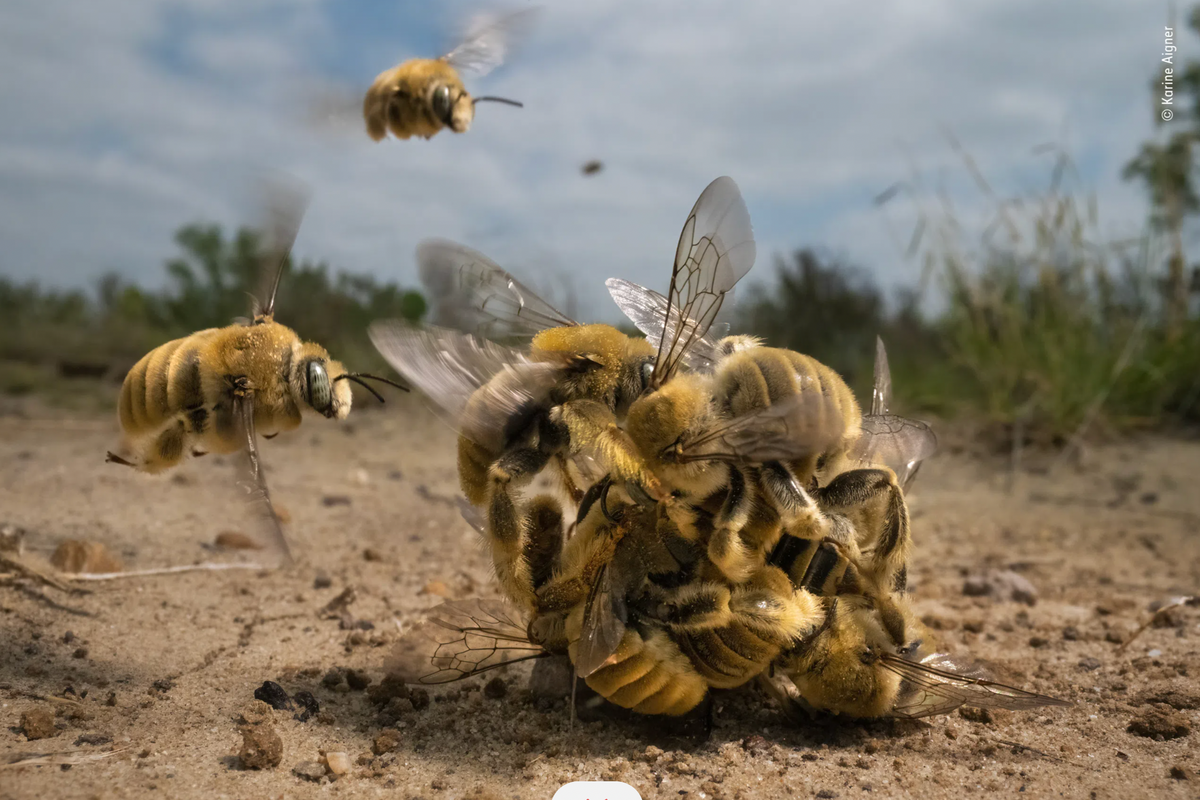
(422, 96)
(214, 390)
(734, 375)
(517, 412)
(852, 667)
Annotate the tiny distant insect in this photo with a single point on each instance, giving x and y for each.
(424, 95)
(212, 391)
(592, 167)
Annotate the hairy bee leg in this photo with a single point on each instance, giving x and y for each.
(783, 489)
(726, 548)
(874, 505)
(691, 607)
(573, 491)
(592, 423)
(543, 539)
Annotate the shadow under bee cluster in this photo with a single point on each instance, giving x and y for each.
(721, 513)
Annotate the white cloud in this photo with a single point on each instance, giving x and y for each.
(810, 107)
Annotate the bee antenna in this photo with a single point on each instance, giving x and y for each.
(497, 100)
(357, 377)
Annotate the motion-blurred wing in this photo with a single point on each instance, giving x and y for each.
(486, 391)
(716, 248)
(287, 201)
(253, 484)
(805, 423)
(488, 40)
(896, 442)
(648, 310)
(472, 293)
(881, 389)
(459, 639)
(928, 690)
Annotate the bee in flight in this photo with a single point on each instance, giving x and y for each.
(422, 96)
(213, 391)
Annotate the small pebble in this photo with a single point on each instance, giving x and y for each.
(233, 540)
(371, 554)
(1157, 721)
(274, 695)
(93, 739)
(38, 723)
(309, 707)
(332, 678)
(309, 771)
(386, 742)
(76, 556)
(335, 500)
(338, 763)
(495, 689)
(357, 680)
(261, 747)
(322, 580)
(80, 652)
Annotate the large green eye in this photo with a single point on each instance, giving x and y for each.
(441, 103)
(320, 396)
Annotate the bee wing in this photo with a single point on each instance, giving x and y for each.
(929, 690)
(251, 481)
(487, 40)
(897, 442)
(461, 638)
(603, 624)
(503, 387)
(652, 314)
(287, 201)
(716, 248)
(881, 389)
(471, 292)
(805, 423)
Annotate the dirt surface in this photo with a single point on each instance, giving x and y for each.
(163, 670)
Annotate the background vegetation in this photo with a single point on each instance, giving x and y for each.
(1041, 323)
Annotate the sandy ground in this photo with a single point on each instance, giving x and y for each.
(164, 666)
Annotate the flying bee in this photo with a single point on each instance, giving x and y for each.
(516, 412)
(213, 391)
(852, 667)
(422, 96)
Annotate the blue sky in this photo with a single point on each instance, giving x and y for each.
(125, 119)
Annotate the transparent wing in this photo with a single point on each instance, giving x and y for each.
(459, 639)
(651, 313)
(929, 690)
(253, 484)
(486, 391)
(881, 389)
(603, 624)
(472, 515)
(286, 202)
(472, 293)
(716, 248)
(488, 40)
(808, 422)
(896, 442)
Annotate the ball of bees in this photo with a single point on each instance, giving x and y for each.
(214, 390)
(422, 96)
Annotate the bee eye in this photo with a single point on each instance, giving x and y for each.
(441, 103)
(320, 396)
(647, 373)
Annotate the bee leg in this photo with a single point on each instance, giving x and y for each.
(573, 491)
(783, 489)
(873, 503)
(543, 539)
(591, 423)
(113, 458)
(769, 606)
(689, 608)
(726, 548)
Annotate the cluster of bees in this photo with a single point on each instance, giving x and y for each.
(721, 512)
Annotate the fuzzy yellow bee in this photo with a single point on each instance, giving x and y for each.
(214, 390)
(422, 96)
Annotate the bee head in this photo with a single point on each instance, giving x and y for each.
(839, 668)
(452, 106)
(315, 383)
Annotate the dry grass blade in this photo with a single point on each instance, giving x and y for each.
(142, 573)
(1175, 603)
(66, 757)
(22, 569)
